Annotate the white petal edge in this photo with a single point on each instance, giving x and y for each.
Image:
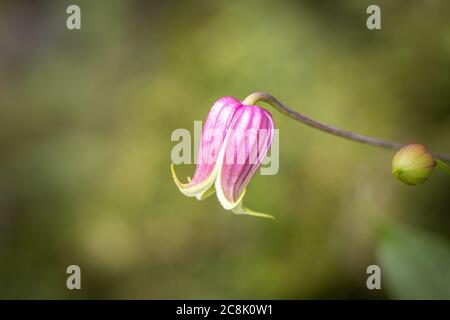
(200, 190)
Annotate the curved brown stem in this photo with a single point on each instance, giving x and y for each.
(265, 97)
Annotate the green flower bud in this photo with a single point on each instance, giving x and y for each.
(413, 164)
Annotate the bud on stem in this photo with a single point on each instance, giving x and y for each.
(413, 164)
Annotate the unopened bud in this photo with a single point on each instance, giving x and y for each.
(413, 164)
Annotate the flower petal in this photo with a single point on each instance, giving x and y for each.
(214, 132)
(246, 145)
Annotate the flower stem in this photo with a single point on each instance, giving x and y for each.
(255, 97)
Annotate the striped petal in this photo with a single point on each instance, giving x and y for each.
(213, 135)
(247, 142)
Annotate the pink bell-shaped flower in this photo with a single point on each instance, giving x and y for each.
(235, 140)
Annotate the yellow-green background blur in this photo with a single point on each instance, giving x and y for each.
(85, 124)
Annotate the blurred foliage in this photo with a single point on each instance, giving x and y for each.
(415, 264)
(85, 124)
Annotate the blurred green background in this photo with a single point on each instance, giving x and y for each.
(85, 124)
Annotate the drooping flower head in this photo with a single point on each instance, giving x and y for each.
(235, 140)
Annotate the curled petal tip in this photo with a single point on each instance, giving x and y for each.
(199, 190)
(175, 178)
(227, 204)
(240, 209)
(206, 194)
